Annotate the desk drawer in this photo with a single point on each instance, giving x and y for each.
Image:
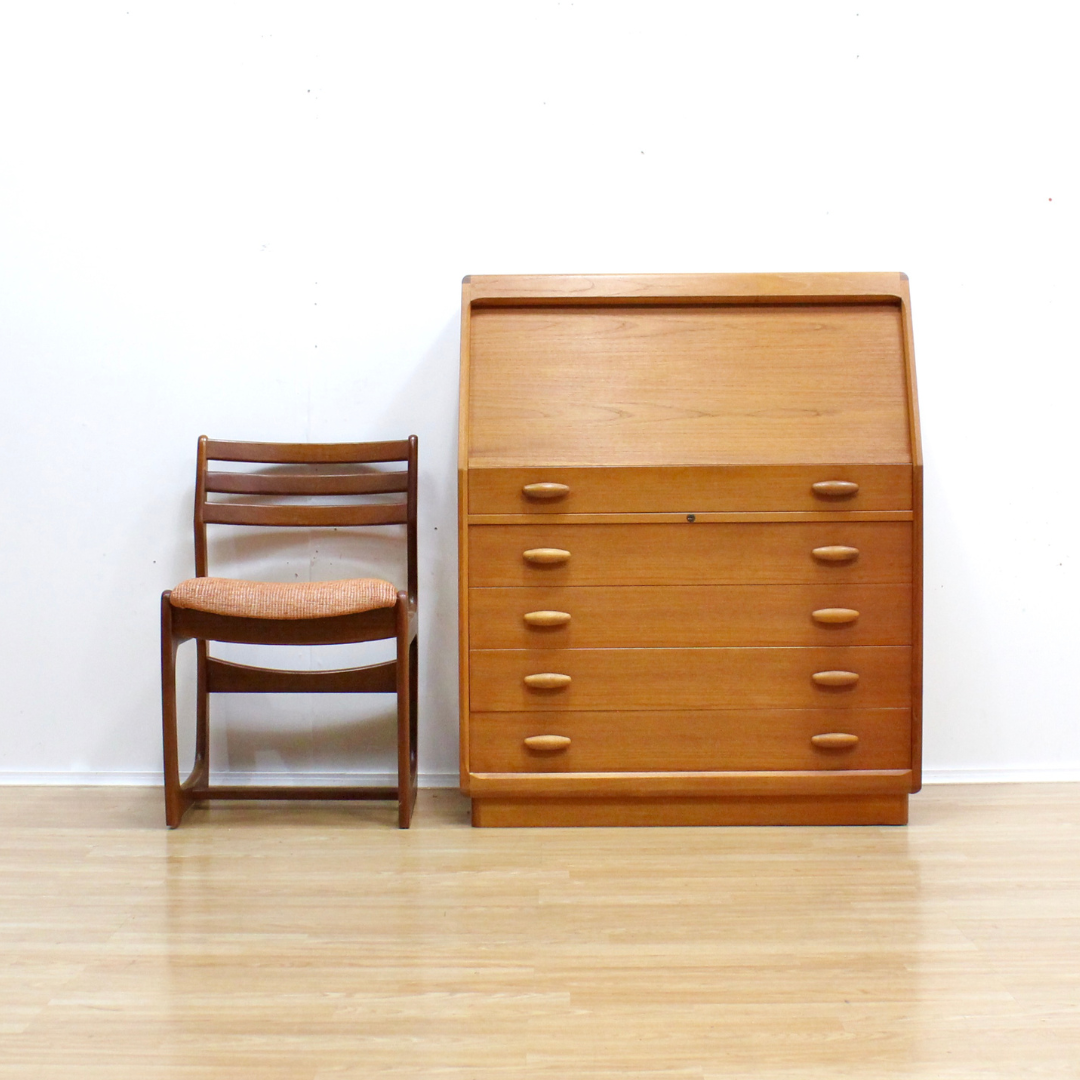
(691, 554)
(724, 740)
(643, 617)
(688, 489)
(651, 679)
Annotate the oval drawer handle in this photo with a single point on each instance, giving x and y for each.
(835, 489)
(547, 742)
(547, 618)
(546, 556)
(835, 615)
(833, 740)
(835, 678)
(549, 680)
(835, 553)
(545, 491)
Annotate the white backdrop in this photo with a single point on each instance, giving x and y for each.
(251, 220)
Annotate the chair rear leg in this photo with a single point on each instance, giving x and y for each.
(414, 704)
(406, 752)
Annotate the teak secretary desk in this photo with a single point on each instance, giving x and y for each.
(690, 548)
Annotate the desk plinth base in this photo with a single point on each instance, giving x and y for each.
(751, 810)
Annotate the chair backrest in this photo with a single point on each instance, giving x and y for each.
(331, 470)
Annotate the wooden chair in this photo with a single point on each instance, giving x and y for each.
(307, 613)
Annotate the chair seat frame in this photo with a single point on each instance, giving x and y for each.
(398, 676)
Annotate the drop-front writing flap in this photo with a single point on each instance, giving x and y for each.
(690, 384)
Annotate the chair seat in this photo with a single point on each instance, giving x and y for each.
(283, 600)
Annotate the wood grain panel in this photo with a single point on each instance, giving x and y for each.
(691, 554)
(688, 616)
(651, 679)
(688, 488)
(755, 384)
(728, 739)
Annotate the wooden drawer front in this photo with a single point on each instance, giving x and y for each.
(686, 489)
(642, 617)
(691, 554)
(645, 679)
(725, 740)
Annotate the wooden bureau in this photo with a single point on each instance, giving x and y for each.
(690, 550)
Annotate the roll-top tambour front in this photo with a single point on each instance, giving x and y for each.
(546, 556)
(835, 678)
(687, 554)
(505, 680)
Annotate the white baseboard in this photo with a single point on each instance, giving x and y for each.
(146, 779)
(450, 780)
(1000, 776)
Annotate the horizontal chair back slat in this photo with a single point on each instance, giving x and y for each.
(307, 453)
(307, 516)
(296, 484)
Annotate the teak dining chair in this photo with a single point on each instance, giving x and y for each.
(304, 613)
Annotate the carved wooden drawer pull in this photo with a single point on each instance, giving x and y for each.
(546, 556)
(835, 678)
(549, 742)
(547, 618)
(835, 615)
(835, 489)
(550, 680)
(833, 740)
(545, 491)
(836, 553)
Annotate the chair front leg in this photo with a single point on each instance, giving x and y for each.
(176, 799)
(414, 700)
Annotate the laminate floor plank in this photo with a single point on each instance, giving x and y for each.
(319, 942)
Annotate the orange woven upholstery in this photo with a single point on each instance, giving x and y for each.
(288, 600)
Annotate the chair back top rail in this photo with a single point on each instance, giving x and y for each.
(307, 453)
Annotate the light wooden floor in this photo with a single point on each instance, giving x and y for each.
(315, 942)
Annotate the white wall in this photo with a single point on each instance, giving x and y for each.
(251, 219)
